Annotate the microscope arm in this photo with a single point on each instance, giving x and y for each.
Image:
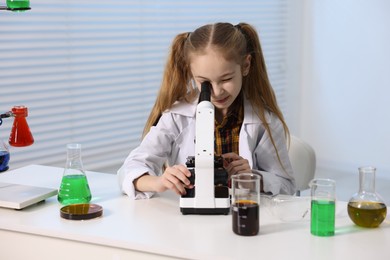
(204, 150)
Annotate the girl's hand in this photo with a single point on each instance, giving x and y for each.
(233, 164)
(174, 178)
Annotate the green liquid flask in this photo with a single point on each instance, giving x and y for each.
(323, 215)
(74, 187)
(18, 4)
(323, 202)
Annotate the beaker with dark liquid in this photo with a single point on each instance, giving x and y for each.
(245, 204)
(366, 208)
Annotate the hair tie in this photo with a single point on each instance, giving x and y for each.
(238, 26)
(249, 45)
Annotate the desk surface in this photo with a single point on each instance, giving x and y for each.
(157, 226)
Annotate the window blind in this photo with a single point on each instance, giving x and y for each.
(89, 71)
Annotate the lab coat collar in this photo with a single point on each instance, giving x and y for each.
(189, 109)
(250, 117)
(184, 108)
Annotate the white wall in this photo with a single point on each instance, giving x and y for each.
(345, 80)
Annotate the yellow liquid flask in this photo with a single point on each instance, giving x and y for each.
(366, 208)
(74, 187)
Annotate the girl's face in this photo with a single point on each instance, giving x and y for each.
(224, 76)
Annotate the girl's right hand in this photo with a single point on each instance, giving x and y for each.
(175, 178)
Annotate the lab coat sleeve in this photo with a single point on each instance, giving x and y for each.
(276, 179)
(148, 158)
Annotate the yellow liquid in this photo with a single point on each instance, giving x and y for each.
(367, 214)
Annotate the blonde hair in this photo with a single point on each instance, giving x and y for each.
(234, 43)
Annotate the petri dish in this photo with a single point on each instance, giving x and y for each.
(81, 211)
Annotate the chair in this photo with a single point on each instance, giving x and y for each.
(303, 161)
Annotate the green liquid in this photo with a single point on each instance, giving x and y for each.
(18, 4)
(74, 190)
(322, 218)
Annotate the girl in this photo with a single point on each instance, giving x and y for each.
(250, 132)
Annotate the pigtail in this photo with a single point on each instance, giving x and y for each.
(258, 87)
(175, 79)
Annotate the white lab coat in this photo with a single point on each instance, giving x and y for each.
(172, 140)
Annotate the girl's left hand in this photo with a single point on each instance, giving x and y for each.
(233, 164)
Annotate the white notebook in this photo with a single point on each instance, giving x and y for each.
(17, 196)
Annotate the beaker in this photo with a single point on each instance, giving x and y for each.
(366, 208)
(323, 204)
(74, 187)
(245, 204)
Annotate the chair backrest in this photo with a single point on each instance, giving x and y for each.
(303, 161)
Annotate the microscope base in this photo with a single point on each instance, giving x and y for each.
(190, 206)
(205, 211)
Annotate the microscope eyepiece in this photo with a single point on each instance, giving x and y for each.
(205, 91)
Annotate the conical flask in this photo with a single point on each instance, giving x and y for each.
(74, 187)
(20, 135)
(366, 208)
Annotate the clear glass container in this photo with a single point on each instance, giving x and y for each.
(74, 187)
(366, 208)
(287, 208)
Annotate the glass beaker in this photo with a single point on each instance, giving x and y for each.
(366, 208)
(74, 187)
(245, 204)
(323, 206)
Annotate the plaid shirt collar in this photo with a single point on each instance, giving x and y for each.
(228, 131)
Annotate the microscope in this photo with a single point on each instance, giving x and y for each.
(210, 195)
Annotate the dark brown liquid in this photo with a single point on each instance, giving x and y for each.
(367, 214)
(245, 217)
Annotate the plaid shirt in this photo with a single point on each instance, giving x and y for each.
(228, 131)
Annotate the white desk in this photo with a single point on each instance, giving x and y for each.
(155, 228)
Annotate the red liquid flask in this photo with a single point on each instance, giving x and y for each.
(20, 133)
